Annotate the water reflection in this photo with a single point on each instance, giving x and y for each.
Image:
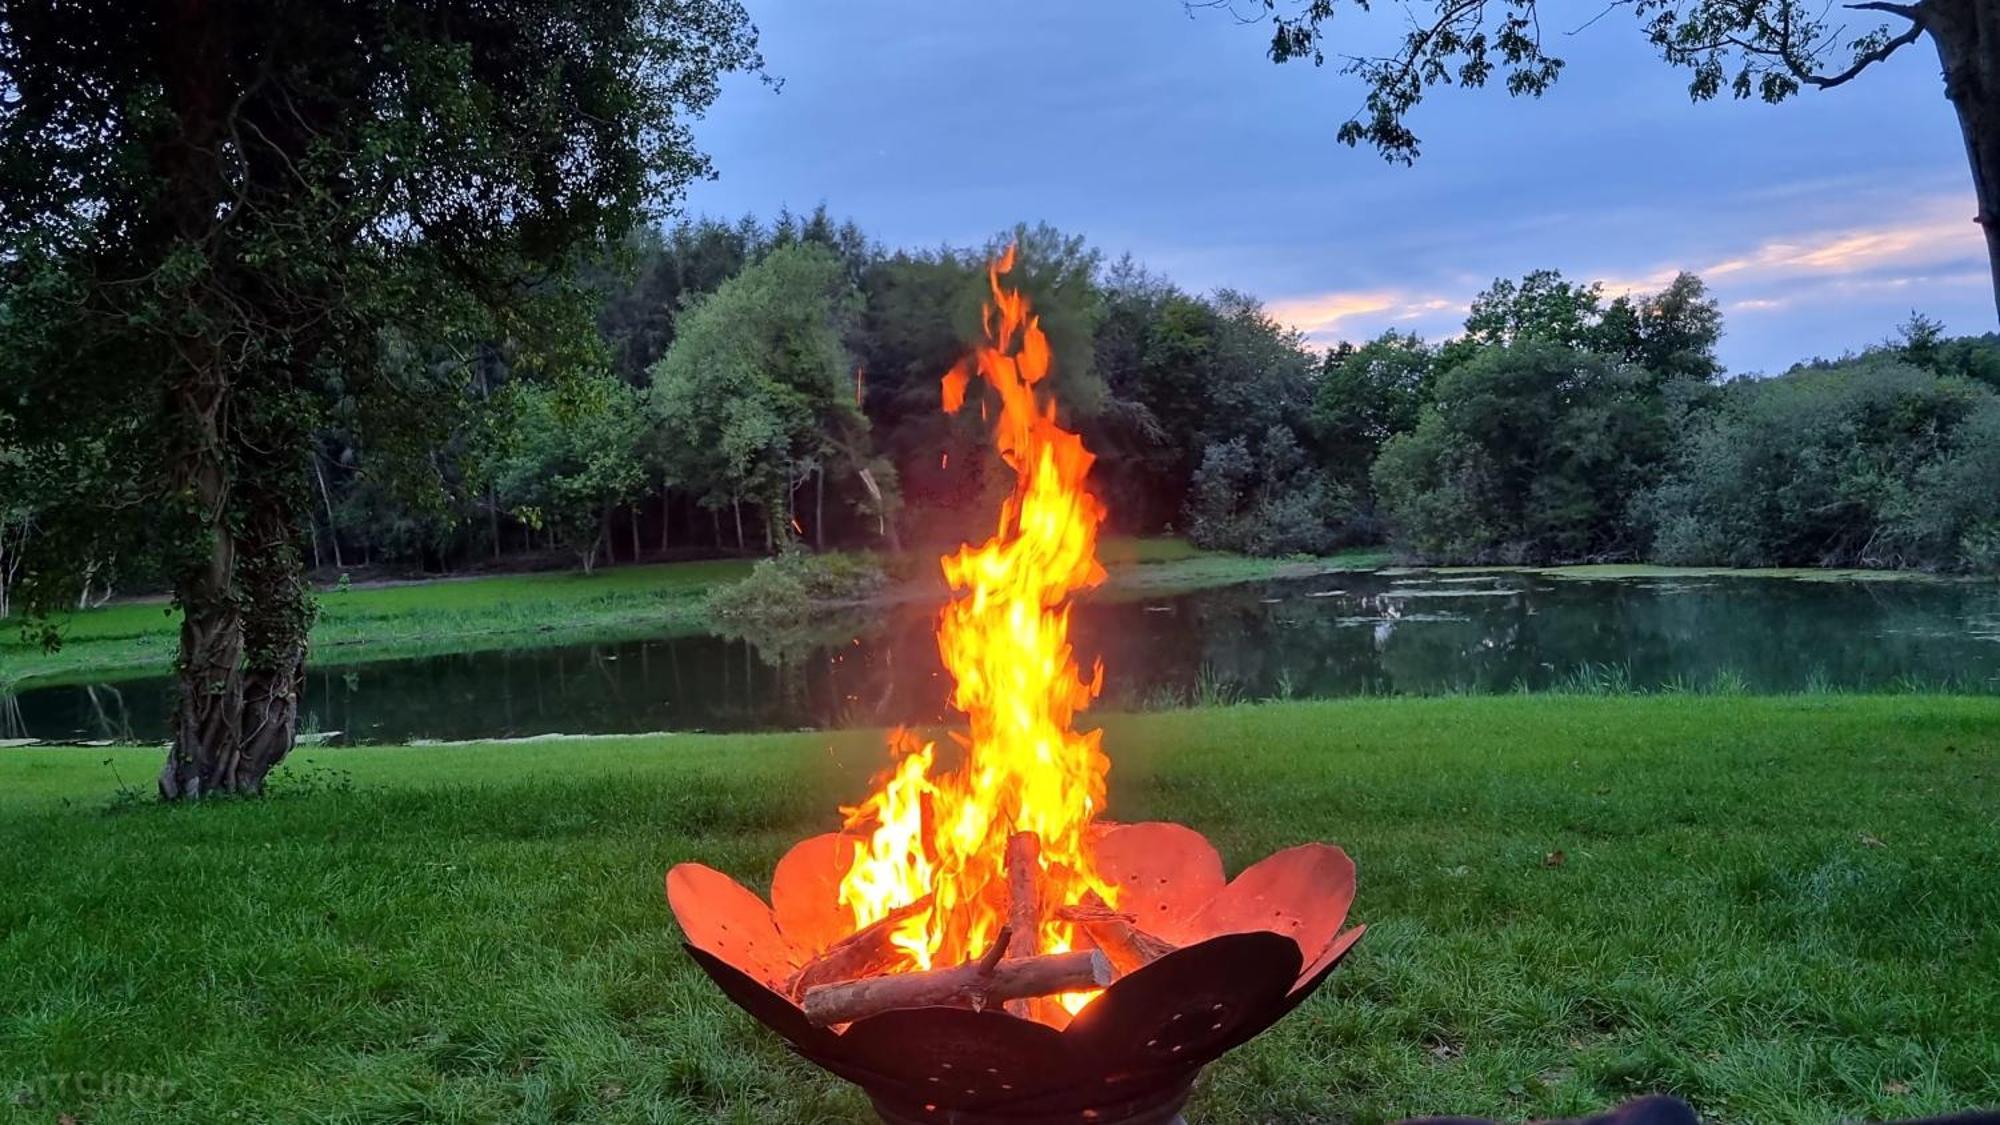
(1337, 635)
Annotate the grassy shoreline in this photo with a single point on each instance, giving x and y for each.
(1782, 909)
(402, 619)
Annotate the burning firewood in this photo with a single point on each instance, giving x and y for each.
(975, 984)
(1128, 947)
(1024, 903)
(869, 951)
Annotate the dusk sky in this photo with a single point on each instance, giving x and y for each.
(1819, 223)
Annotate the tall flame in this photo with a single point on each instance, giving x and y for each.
(1005, 638)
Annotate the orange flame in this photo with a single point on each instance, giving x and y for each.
(1005, 638)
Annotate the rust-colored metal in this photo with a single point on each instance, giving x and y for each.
(1250, 950)
(1165, 872)
(806, 887)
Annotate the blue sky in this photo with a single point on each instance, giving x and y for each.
(1819, 223)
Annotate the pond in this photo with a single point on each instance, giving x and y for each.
(1346, 634)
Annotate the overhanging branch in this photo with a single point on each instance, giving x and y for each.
(1867, 58)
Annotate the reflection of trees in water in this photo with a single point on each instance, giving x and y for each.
(12, 724)
(100, 713)
(113, 722)
(1255, 641)
(854, 670)
(835, 669)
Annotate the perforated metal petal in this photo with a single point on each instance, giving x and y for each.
(1302, 893)
(1165, 873)
(805, 892)
(1322, 966)
(767, 1007)
(721, 917)
(1188, 1007)
(956, 1058)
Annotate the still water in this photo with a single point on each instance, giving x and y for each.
(1336, 635)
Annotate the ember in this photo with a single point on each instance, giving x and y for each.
(976, 944)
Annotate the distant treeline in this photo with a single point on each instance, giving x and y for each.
(760, 384)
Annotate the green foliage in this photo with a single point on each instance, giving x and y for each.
(1670, 334)
(1541, 307)
(1763, 49)
(570, 453)
(1531, 452)
(1867, 463)
(379, 170)
(758, 389)
(226, 226)
(1921, 342)
(1367, 395)
(795, 586)
(1272, 502)
(1185, 375)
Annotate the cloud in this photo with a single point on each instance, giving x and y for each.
(1937, 232)
(1933, 245)
(1328, 317)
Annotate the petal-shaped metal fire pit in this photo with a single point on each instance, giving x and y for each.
(1246, 952)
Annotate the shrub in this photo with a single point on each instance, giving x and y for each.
(794, 585)
(1866, 463)
(1530, 453)
(1275, 502)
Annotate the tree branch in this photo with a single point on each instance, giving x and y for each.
(1912, 12)
(1862, 61)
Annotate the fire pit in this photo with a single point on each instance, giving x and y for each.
(977, 945)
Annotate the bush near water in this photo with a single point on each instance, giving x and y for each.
(786, 589)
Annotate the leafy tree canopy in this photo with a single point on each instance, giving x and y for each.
(218, 220)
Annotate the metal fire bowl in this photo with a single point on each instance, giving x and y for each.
(1251, 950)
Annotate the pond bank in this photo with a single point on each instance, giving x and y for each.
(1569, 901)
(468, 614)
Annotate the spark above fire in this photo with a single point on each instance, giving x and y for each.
(977, 944)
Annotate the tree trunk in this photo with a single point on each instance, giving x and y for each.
(10, 560)
(332, 527)
(666, 520)
(276, 628)
(819, 509)
(737, 507)
(208, 712)
(634, 513)
(1972, 85)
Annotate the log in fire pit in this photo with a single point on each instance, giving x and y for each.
(977, 945)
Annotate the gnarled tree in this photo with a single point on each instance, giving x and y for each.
(215, 214)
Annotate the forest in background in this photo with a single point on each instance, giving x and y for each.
(757, 385)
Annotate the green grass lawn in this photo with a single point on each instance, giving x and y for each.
(399, 619)
(513, 611)
(1784, 910)
(1152, 567)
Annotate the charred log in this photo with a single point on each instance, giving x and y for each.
(974, 984)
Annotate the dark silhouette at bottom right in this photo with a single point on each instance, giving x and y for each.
(1661, 1110)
